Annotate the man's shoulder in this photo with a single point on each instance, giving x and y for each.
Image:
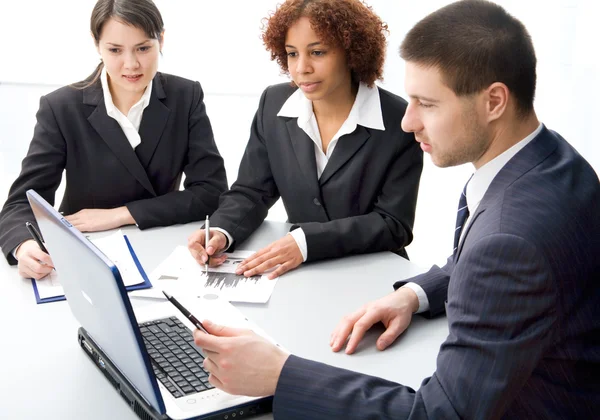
(551, 202)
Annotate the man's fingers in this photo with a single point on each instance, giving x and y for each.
(396, 327)
(210, 354)
(207, 342)
(210, 366)
(213, 379)
(360, 328)
(222, 330)
(342, 330)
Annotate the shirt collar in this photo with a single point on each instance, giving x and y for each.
(108, 101)
(366, 110)
(483, 177)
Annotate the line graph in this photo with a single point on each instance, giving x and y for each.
(229, 281)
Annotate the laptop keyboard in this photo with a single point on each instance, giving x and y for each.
(176, 361)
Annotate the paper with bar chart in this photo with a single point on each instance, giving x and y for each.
(180, 275)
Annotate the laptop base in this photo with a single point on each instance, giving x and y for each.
(142, 409)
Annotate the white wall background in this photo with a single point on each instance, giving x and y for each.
(46, 44)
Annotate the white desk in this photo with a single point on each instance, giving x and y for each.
(46, 375)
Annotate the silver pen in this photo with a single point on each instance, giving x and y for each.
(206, 239)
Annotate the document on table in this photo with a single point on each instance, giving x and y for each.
(181, 275)
(116, 247)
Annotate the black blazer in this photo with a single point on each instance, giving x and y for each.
(74, 133)
(522, 298)
(364, 201)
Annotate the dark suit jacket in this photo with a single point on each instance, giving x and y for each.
(364, 201)
(74, 133)
(523, 307)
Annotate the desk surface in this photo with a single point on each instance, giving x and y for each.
(46, 375)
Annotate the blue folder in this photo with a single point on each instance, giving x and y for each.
(145, 285)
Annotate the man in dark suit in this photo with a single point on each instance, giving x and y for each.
(521, 289)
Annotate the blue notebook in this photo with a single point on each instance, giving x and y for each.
(145, 285)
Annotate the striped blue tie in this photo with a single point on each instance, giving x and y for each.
(461, 217)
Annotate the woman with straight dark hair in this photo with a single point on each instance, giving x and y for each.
(329, 144)
(124, 136)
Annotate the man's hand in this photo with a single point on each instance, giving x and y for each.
(33, 262)
(394, 311)
(240, 362)
(283, 252)
(216, 245)
(94, 220)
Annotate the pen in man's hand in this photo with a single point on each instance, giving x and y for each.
(185, 312)
(206, 240)
(36, 236)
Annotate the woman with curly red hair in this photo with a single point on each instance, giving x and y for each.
(329, 144)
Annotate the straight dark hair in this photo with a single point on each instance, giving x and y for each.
(475, 43)
(142, 14)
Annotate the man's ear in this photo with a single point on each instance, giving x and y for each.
(497, 96)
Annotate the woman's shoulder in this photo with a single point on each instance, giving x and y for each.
(173, 81)
(65, 94)
(281, 89)
(274, 96)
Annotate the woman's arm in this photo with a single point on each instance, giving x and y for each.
(41, 170)
(205, 178)
(244, 207)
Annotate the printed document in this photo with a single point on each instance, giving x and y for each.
(181, 275)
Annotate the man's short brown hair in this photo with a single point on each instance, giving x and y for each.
(475, 43)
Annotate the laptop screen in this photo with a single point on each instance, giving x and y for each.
(97, 297)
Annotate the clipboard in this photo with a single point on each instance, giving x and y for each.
(145, 285)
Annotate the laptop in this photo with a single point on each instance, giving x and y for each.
(148, 355)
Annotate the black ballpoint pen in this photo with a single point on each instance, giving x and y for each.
(185, 312)
(36, 236)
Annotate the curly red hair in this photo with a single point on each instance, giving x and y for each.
(350, 24)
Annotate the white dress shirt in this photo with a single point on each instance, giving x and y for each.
(476, 189)
(130, 124)
(366, 111)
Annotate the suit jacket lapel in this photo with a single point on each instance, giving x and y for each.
(112, 134)
(154, 121)
(347, 146)
(530, 156)
(304, 148)
(480, 209)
